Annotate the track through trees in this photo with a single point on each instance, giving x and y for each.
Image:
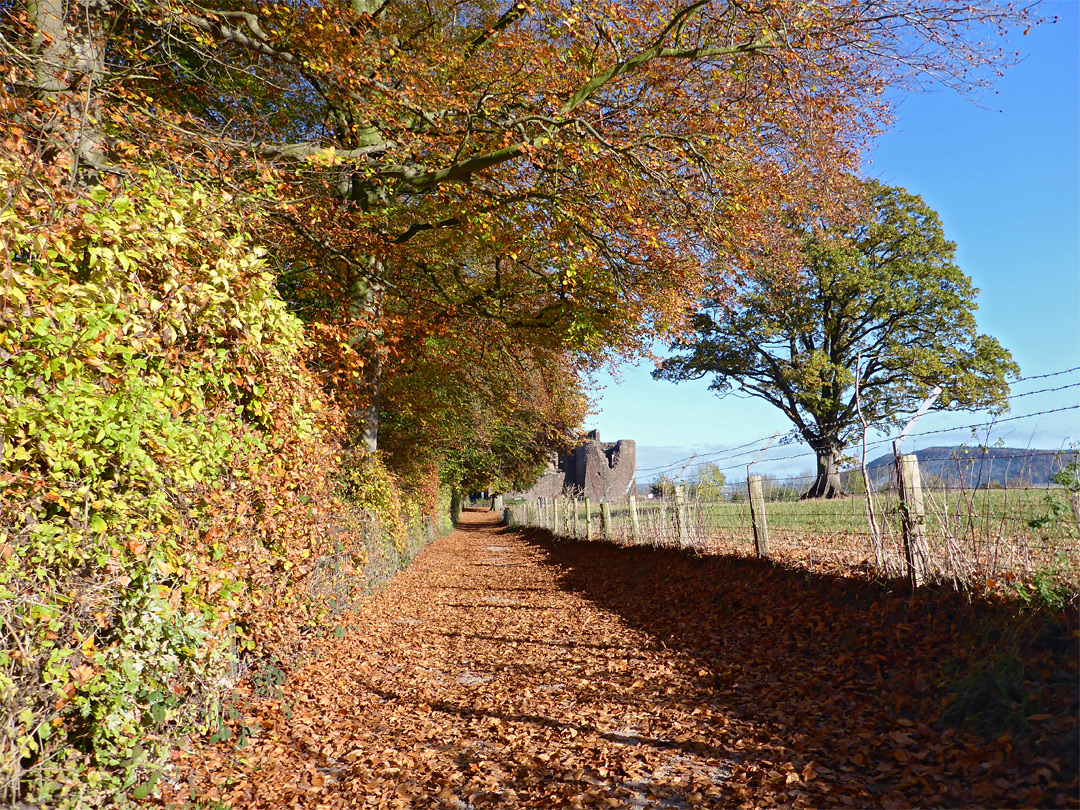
(504, 670)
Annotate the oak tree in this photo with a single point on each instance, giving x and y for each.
(876, 314)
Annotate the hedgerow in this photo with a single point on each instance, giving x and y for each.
(169, 472)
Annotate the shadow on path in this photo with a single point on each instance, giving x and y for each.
(932, 695)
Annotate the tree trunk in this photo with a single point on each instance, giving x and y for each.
(364, 299)
(69, 51)
(827, 484)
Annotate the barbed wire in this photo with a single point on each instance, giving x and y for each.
(983, 454)
(757, 444)
(1044, 376)
(966, 463)
(994, 422)
(793, 436)
(1045, 391)
(966, 466)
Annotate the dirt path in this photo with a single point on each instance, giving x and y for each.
(499, 671)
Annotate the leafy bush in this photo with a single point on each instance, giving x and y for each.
(157, 423)
(172, 488)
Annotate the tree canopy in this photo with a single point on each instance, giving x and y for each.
(487, 408)
(568, 170)
(874, 316)
(707, 483)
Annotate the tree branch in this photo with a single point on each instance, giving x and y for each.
(305, 150)
(419, 227)
(657, 52)
(510, 16)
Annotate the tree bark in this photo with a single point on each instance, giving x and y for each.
(70, 52)
(365, 295)
(827, 483)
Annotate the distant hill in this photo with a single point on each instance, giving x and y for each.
(979, 466)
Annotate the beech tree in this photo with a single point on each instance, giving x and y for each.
(488, 409)
(567, 169)
(876, 308)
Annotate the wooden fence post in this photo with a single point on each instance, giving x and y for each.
(575, 519)
(605, 521)
(1074, 497)
(635, 527)
(913, 513)
(682, 524)
(588, 520)
(757, 515)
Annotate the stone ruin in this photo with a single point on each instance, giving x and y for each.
(600, 471)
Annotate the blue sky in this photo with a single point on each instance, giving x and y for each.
(1004, 174)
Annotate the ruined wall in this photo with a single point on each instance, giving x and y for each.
(601, 471)
(552, 483)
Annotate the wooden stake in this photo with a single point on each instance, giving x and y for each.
(682, 524)
(757, 515)
(635, 526)
(913, 513)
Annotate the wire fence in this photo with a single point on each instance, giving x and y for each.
(968, 515)
(970, 535)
